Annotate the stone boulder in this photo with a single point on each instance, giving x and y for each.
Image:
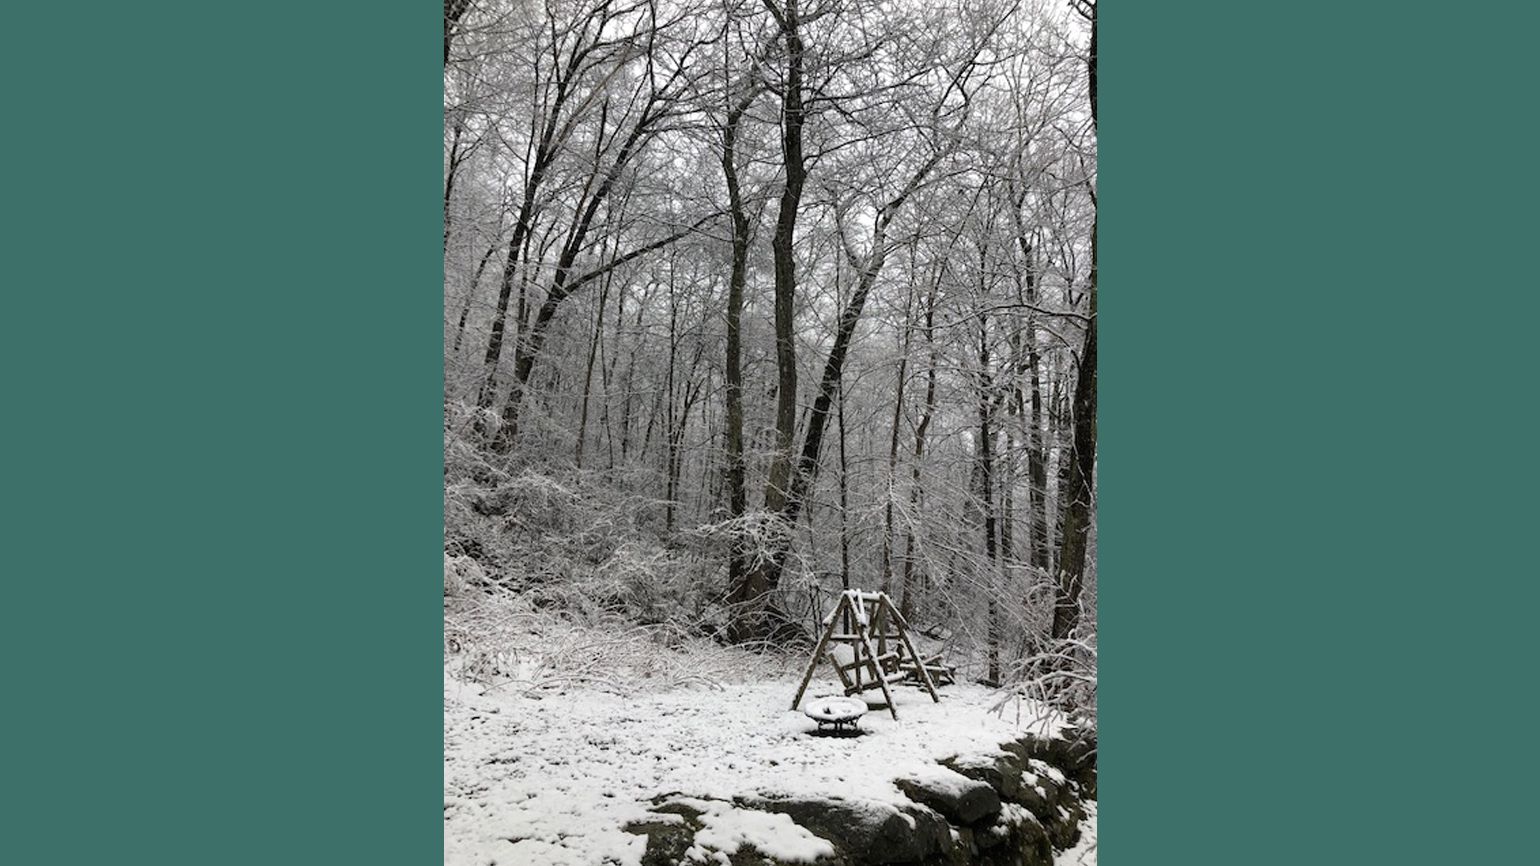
(1001, 771)
(959, 799)
(868, 833)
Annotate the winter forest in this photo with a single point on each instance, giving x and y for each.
(770, 357)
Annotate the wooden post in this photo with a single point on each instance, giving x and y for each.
(818, 651)
(880, 627)
(903, 634)
(882, 679)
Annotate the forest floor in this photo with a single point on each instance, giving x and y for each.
(550, 776)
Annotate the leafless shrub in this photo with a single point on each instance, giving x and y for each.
(1062, 676)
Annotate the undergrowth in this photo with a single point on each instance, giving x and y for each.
(557, 577)
(501, 642)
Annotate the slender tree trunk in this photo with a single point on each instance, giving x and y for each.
(736, 472)
(898, 417)
(455, 158)
(470, 296)
(652, 422)
(916, 492)
(630, 387)
(1030, 409)
(668, 400)
(588, 372)
(677, 426)
(1062, 435)
(607, 364)
(1037, 468)
(1006, 482)
(986, 493)
(1091, 70)
(844, 499)
(676, 456)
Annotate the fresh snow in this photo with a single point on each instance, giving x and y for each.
(726, 828)
(552, 781)
(941, 779)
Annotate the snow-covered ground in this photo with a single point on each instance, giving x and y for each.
(552, 781)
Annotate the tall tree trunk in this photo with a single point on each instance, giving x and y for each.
(668, 401)
(736, 472)
(1061, 433)
(1082, 467)
(1077, 523)
(782, 249)
(844, 499)
(750, 618)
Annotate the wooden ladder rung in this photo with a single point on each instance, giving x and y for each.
(932, 670)
(883, 659)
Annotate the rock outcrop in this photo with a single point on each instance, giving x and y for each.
(1014, 807)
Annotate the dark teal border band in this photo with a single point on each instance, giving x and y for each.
(1316, 432)
(222, 363)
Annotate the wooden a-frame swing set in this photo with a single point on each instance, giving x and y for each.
(867, 622)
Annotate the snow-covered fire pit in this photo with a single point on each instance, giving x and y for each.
(842, 714)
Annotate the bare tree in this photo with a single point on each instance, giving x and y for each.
(693, 246)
